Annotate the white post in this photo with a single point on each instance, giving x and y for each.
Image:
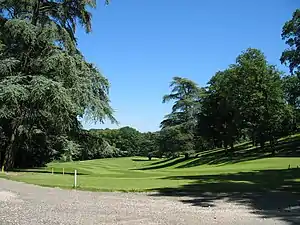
(75, 179)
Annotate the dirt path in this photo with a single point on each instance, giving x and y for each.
(24, 204)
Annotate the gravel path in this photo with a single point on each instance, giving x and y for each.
(24, 204)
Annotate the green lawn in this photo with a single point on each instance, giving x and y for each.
(134, 174)
(246, 169)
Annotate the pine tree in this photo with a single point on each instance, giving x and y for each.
(45, 83)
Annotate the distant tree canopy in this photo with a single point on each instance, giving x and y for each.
(107, 143)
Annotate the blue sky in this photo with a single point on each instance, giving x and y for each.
(139, 45)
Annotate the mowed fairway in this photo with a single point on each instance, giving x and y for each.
(251, 181)
(247, 169)
(139, 174)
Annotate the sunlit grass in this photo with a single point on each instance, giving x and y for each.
(127, 174)
(244, 168)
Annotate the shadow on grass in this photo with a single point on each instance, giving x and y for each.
(162, 161)
(154, 161)
(288, 148)
(169, 162)
(46, 171)
(246, 152)
(269, 193)
(140, 160)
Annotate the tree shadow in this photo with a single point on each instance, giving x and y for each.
(162, 161)
(288, 148)
(169, 163)
(246, 152)
(269, 193)
(223, 157)
(46, 171)
(140, 160)
(155, 162)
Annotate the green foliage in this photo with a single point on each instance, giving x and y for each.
(46, 86)
(149, 144)
(291, 89)
(249, 100)
(70, 151)
(260, 95)
(291, 35)
(178, 128)
(128, 141)
(175, 140)
(185, 94)
(45, 83)
(66, 14)
(291, 57)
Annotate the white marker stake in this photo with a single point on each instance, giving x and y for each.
(75, 179)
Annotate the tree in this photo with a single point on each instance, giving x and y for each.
(64, 13)
(44, 85)
(186, 96)
(291, 57)
(219, 120)
(291, 35)
(259, 95)
(291, 90)
(127, 139)
(246, 100)
(148, 144)
(174, 141)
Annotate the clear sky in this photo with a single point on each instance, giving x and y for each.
(139, 45)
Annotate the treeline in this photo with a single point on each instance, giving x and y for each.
(109, 143)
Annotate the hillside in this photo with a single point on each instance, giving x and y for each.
(248, 168)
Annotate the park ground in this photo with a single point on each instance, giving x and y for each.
(251, 176)
(26, 204)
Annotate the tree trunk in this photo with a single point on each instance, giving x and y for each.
(9, 157)
(232, 146)
(1, 159)
(272, 144)
(226, 150)
(186, 155)
(36, 12)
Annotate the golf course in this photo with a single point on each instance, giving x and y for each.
(139, 113)
(249, 169)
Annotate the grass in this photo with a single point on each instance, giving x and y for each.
(139, 174)
(134, 174)
(129, 174)
(267, 183)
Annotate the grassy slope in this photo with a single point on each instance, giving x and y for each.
(248, 168)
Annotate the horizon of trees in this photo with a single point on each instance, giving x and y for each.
(46, 85)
